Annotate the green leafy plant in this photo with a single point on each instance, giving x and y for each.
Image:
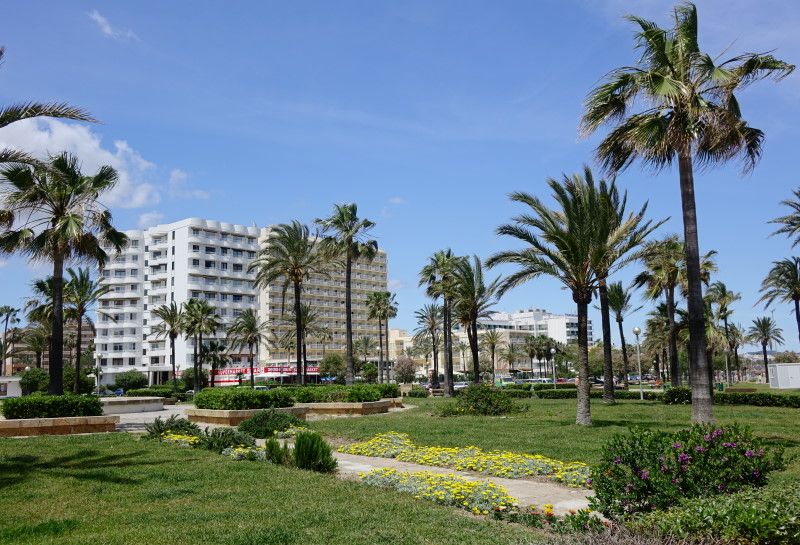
(312, 452)
(480, 399)
(265, 424)
(219, 439)
(276, 453)
(130, 380)
(645, 470)
(389, 390)
(152, 391)
(174, 424)
(677, 396)
(39, 405)
(33, 380)
(416, 391)
(231, 398)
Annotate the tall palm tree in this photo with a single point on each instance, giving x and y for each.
(382, 306)
(8, 315)
(511, 353)
(171, 326)
(215, 354)
(309, 325)
(246, 330)
(619, 302)
(782, 283)
(290, 256)
(365, 346)
(37, 340)
(472, 300)
(720, 295)
(531, 347)
(691, 115)
(790, 223)
(199, 319)
(81, 293)
(54, 214)
(736, 338)
(765, 331)
(462, 348)
(429, 328)
(559, 244)
(438, 275)
(323, 337)
(348, 239)
(27, 110)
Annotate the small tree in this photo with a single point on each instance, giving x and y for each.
(405, 370)
(370, 372)
(333, 365)
(130, 380)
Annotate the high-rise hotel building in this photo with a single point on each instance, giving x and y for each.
(204, 259)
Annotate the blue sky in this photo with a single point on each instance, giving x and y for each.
(425, 113)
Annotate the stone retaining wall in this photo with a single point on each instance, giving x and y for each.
(234, 418)
(57, 426)
(123, 405)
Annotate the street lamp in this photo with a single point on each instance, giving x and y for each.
(636, 332)
(553, 357)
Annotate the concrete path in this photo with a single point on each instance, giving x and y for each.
(526, 491)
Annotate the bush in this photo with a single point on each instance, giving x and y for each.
(646, 470)
(359, 393)
(769, 516)
(153, 391)
(46, 406)
(33, 380)
(759, 399)
(370, 372)
(417, 391)
(130, 380)
(389, 390)
(677, 396)
(265, 424)
(219, 439)
(187, 376)
(235, 398)
(312, 452)
(277, 454)
(557, 394)
(618, 394)
(85, 384)
(517, 393)
(480, 399)
(405, 369)
(174, 424)
(333, 365)
(559, 386)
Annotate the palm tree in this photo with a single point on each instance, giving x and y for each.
(170, 325)
(619, 302)
(37, 340)
(81, 293)
(323, 336)
(246, 330)
(658, 333)
(382, 306)
(291, 256)
(724, 298)
(472, 299)
(736, 339)
(199, 319)
(782, 283)
(348, 239)
(8, 315)
(560, 244)
(54, 214)
(765, 331)
(365, 346)
(511, 353)
(215, 354)
(790, 223)
(531, 347)
(691, 114)
(462, 348)
(26, 110)
(438, 275)
(429, 327)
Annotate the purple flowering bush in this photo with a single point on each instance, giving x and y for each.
(645, 470)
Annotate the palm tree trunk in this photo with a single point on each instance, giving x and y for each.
(172, 357)
(252, 365)
(348, 319)
(298, 328)
(305, 361)
(702, 409)
(76, 387)
(608, 368)
(766, 361)
(493, 363)
(435, 377)
(674, 366)
(584, 414)
(797, 314)
(473, 346)
(386, 336)
(657, 367)
(448, 351)
(625, 366)
(380, 351)
(196, 377)
(56, 386)
(38, 360)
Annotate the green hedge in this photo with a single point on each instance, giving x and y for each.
(597, 394)
(683, 396)
(517, 393)
(559, 386)
(46, 406)
(153, 391)
(332, 394)
(389, 390)
(234, 398)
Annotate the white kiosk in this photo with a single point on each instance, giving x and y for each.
(784, 375)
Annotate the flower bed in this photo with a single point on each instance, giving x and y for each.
(498, 463)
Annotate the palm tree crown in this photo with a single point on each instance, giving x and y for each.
(81, 293)
(171, 323)
(247, 331)
(765, 331)
(782, 283)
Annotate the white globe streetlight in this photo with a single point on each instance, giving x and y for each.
(553, 357)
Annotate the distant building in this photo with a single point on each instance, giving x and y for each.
(23, 357)
(560, 327)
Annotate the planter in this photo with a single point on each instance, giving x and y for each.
(234, 418)
(321, 410)
(123, 405)
(57, 426)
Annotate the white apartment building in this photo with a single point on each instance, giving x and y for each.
(192, 258)
(561, 327)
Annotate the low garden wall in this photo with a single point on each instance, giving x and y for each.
(234, 418)
(123, 405)
(57, 426)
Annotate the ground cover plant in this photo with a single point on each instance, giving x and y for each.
(265, 424)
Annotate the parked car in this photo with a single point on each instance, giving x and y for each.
(460, 385)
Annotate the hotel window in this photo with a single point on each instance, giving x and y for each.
(237, 267)
(131, 361)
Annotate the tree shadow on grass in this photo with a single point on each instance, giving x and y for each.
(48, 528)
(87, 465)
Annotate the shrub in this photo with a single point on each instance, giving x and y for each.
(417, 391)
(559, 386)
(517, 393)
(405, 369)
(359, 393)
(312, 452)
(480, 399)
(174, 424)
(153, 391)
(130, 380)
(557, 394)
(85, 384)
(760, 399)
(370, 372)
(187, 376)
(646, 470)
(33, 380)
(769, 516)
(277, 454)
(333, 365)
(389, 390)
(219, 439)
(677, 396)
(234, 398)
(618, 394)
(265, 424)
(46, 406)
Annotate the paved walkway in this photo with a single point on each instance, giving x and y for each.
(526, 491)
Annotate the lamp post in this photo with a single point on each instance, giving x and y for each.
(553, 357)
(636, 332)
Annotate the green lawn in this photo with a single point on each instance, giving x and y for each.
(116, 489)
(548, 428)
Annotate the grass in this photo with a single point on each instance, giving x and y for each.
(117, 489)
(548, 427)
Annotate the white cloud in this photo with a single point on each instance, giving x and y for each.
(178, 186)
(41, 137)
(149, 219)
(395, 284)
(108, 30)
(3, 263)
(397, 200)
